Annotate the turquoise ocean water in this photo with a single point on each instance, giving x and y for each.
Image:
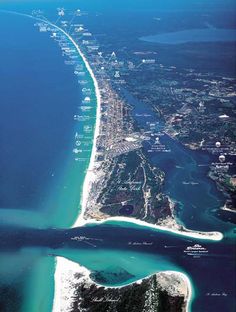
(45, 150)
(40, 100)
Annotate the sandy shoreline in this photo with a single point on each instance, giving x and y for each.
(65, 283)
(66, 278)
(214, 236)
(90, 177)
(189, 295)
(64, 268)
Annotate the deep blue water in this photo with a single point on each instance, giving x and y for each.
(197, 203)
(94, 5)
(210, 273)
(39, 96)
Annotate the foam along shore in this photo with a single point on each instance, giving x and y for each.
(69, 274)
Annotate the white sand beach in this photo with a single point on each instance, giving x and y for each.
(65, 269)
